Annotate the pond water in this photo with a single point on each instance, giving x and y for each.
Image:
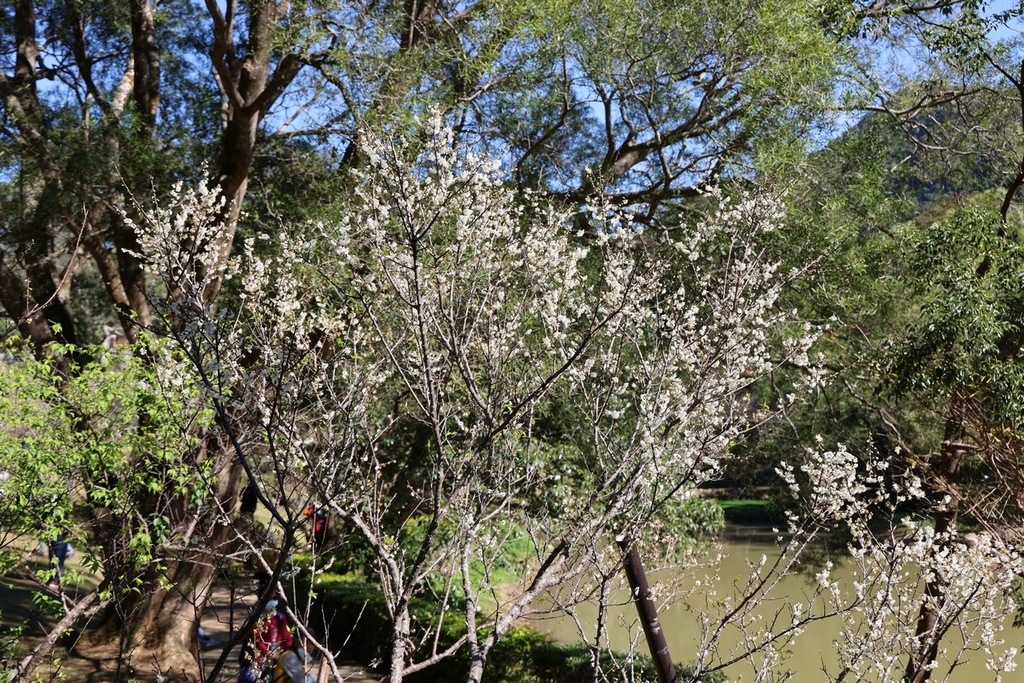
(805, 658)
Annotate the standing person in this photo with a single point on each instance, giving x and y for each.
(318, 521)
(320, 529)
(268, 638)
(60, 550)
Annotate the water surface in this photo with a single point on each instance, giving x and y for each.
(812, 651)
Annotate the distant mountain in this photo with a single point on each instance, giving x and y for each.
(930, 158)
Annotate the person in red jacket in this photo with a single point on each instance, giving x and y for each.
(318, 521)
(268, 638)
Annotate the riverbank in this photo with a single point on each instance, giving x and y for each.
(751, 512)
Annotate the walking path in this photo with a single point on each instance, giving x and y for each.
(227, 612)
(229, 607)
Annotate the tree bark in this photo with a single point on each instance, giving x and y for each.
(86, 607)
(22, 308)
(164, 620)
(158, 609)
(250, 88)
(400, 642)
(947, 472)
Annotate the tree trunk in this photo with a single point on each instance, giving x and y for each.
(399, 642)
(162, 615)
(157, 607)
(647, 611)
(476, 668)
(947, 474)
(164, 620)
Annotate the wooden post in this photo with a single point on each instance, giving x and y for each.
(647, 611)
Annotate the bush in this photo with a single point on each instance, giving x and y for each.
(573, 663)
(353, 617)
(359, 627)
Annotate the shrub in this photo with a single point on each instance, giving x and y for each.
(354, 617)
(553, 662)
(358, 625)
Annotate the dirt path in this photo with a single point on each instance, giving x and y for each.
(229, 607)
(228, 610)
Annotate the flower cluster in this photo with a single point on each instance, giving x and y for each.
(182, 240)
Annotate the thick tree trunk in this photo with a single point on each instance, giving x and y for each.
(947, 472)
(23, 309)
(158, 629)
(156, 607)
(162, 618)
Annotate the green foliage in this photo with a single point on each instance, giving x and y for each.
(683, 521)
(673, 93)
(556, 662)
(361, 628)
(113, 434)
(10, 638)
(357, 622)
(1017, 595)
(355, 616)
(969, 278)
(865, 210)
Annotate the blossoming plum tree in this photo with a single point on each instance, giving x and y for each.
(560, 390)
